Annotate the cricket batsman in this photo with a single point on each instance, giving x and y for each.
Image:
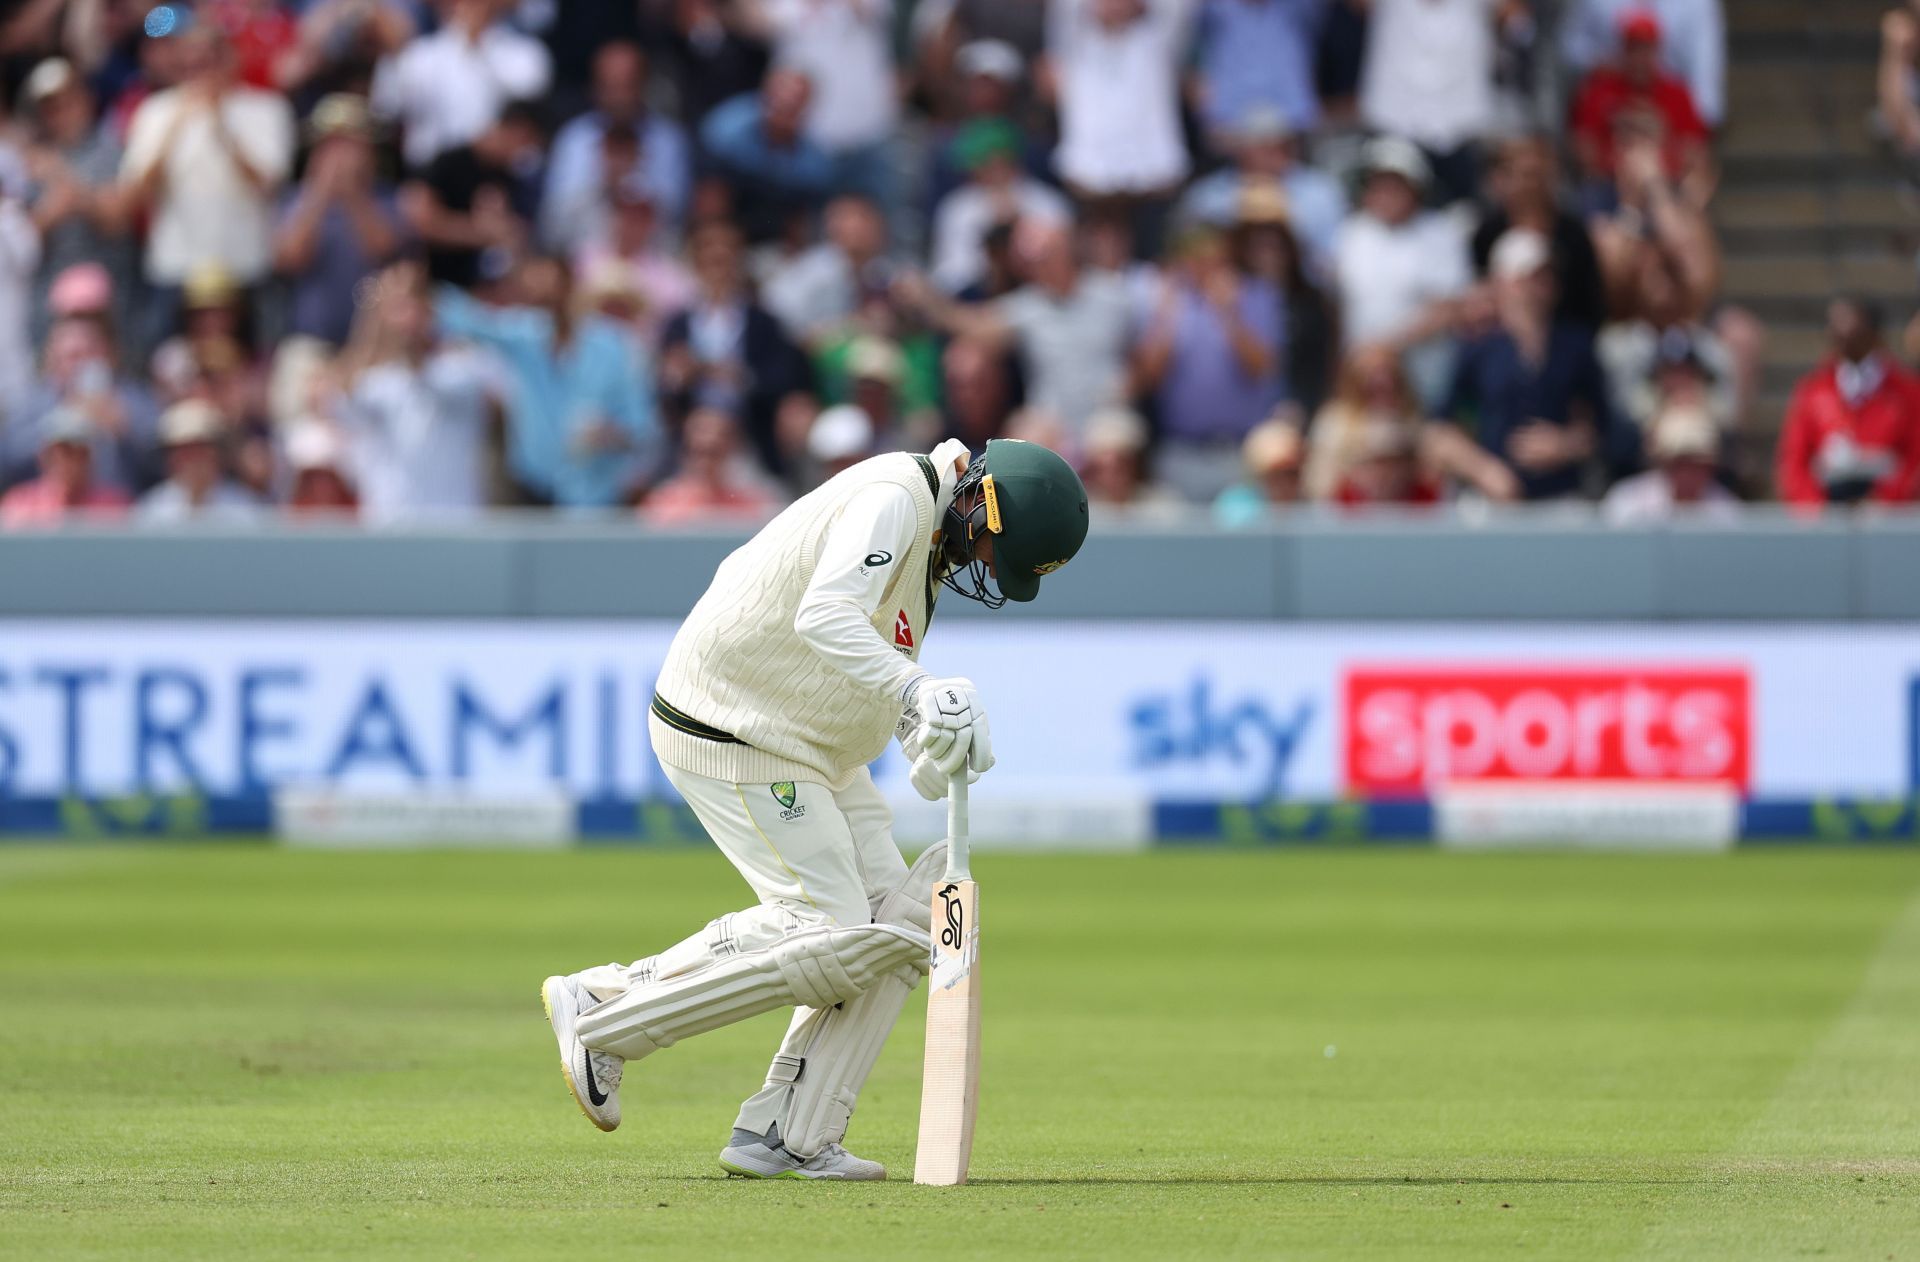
(787, 679)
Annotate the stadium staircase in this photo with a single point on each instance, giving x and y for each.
(1809, 202)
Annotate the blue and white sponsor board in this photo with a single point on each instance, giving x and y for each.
(1106, 732)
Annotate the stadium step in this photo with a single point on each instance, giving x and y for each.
(1809, 203)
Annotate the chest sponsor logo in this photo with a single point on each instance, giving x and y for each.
(1407, 729)
(902, 631)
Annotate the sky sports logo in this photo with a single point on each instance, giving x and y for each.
(1407, 729)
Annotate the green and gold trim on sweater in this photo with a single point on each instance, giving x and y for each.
(680, 721)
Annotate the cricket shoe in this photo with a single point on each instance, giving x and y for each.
(593, 1077)
(752, 1156)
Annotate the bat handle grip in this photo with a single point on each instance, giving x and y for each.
(957, 828)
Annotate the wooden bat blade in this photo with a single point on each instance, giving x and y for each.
(950, 1092)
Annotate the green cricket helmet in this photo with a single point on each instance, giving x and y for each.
(1031, 502)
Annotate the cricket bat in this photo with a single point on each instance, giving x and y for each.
(950, 1091)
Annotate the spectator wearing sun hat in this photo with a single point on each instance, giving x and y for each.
(1400, 270)
(1272, 455)
(339, 226)
(1213, 356)
(1684, 445)
(1265, 149)
(998, 190)
(196, 487)
(66, 486)
(74, 196)
(1113, 465)
(318, 468)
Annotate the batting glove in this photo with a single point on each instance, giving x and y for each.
(932, 783)
(953, 724)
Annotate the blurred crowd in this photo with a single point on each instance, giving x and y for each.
(413, 259)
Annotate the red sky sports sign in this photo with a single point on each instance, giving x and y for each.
(1407, 729)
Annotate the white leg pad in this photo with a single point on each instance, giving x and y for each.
(815, 1079)
(728, 975)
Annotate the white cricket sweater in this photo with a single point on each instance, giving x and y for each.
(793, 664)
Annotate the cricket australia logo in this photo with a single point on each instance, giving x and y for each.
(786, 795)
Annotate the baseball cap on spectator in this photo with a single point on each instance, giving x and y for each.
(994, 58)
(66, 425)
(1114, 431)
(1519, 252)
(209, 285)
(840, 433)
(1684, 432)
(340, 114)
(875, 359)
(1390, 155)
(1262, 203)
(985, 139)
(55, 74)
(191, 421)
(79, 290)
(1272, 446)
(1640, 26)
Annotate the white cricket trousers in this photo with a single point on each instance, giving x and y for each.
(825, 851)
(803, 846)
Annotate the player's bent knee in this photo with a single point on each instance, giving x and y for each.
(910, 902)
(812, 967)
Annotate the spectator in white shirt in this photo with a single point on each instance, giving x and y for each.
(1685, 446)
(1068, 324)
(415, 411)
(1429, 75)
(1400, 270)
(197, 488)
(1115, 66)
(206, 160)
(997, 191)
(446, 88)
(1693, 43)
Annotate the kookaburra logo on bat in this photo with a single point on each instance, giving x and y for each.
(954, 932)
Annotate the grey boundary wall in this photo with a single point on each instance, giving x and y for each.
(1544, 566)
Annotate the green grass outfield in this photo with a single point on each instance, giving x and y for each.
(243, 1052)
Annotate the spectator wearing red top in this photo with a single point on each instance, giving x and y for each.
(717, 484)
(66, 486)
(1852, 432)
(1636, 96)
